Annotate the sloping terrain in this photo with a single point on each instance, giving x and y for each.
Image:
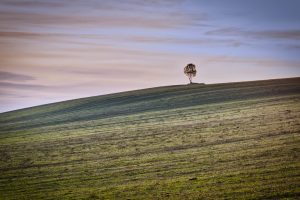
(219, 141)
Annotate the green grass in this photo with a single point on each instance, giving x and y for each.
(219, 141)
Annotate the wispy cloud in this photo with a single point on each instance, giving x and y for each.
(135, 14)
(279, 34)
(9, 76)
(34, 35)
(9, 85)
(30, 3)
(292, 34)
(254, 61)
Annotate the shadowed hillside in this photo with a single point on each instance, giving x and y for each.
(218, 141)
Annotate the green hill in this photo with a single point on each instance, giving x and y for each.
(217, 141)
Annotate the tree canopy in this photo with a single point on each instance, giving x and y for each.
(190, 71)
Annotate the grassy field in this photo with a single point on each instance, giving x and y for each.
(219, 141)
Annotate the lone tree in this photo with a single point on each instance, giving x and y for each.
(190, 71)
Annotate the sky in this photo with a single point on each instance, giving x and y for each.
(55, 50)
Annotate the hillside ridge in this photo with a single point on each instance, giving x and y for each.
(165, 87)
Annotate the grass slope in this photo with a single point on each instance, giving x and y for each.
(220, 141)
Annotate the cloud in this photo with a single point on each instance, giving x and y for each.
(74, 38)
(254, 61)
(293, 46)
(10, 94)
(8, 85)
(10, 76)
(99, 4)
(130, 14)
(279, 34)
(30, 3)
(291, 34)
(34, 35)
(116, 73)
(185, 41)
